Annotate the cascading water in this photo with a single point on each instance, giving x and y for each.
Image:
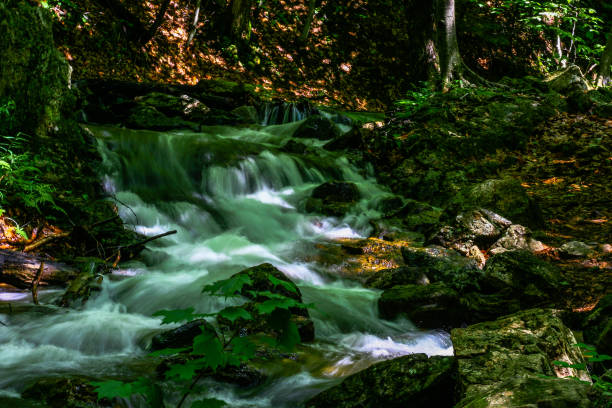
(236, 201)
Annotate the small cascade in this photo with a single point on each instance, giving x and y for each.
(278, 113)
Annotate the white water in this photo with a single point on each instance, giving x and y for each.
(235, 202)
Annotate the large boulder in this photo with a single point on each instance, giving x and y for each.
(317, 127)
(333, 198)
(498, 358)
(34, 77)
(409, 381)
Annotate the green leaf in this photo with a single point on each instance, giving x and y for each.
(228, 287)
(187, 370)
(112, 389)
(270, 305)
(208, 345)
(175, 316)
(290, 286)
(243, 348)
(208, 403)
(234, 312)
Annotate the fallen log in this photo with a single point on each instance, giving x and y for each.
(20, 269)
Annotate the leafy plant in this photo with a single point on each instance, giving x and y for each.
(215, 349)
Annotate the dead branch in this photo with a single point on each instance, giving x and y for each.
(36, 282)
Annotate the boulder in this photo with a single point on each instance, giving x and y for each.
(148, 117)
(183, 106)
(333, 198)
(567, 80)
(354, 139)
(428, 306)
(182, 336)
(34, 76)
(409, 381)
(524, 276)
(504, 360)
(506, 197)
(317, 127)
(468, 229)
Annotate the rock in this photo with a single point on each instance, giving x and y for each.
(71, 392)
(469, 229)
(148, 117)
(333, 198)
(317, 127)
(531, 392)
(294, 147)
(527, 277)
(260, 276)
(444, 265)
(506, 197)
(475, 254)
(428, 306)
(404, 275)
(246, 114)
(575, 249)
(598, 326)
(495, 357)
(514, 238)
(567, 80)
(182, 336)
(33, 73)
(409, 381)
(183, 106)
(351, 140)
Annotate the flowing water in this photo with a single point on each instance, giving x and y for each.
(236, 201)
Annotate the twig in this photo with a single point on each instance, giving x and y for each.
(106, 221)
(2, 323)
(36, 282)
(189, 390)
(45, 240)
(137, 244)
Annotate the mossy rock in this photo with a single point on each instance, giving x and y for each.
(33, 73)
(69, 392)
(409, 381)
(334, 198)
(404, 275)
(317, 127)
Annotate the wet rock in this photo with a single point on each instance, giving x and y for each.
(598, 326)
(294, 147)
(414, 381)
(182, 336)
(260, 277)
(64, 393)
(516, 237)
(317, 127)
(80, 289)
(351, 140)
(404, 275)
(575, 249)
(333, 198)
(34, 74)
(500, 363)
(429, 306)
(506, 197)
(475, 254)
(529, 278)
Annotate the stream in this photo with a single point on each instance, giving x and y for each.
(236, 201)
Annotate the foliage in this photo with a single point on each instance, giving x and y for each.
(571, 29)
(215, 349)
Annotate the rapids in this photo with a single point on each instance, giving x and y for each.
(236, 201)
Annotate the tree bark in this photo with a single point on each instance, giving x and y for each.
(240, 19)
(603, 77)
(449, 58)
(309, 17)
(20, 269)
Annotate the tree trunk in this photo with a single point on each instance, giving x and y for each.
(311, 10)
(19, 269)
(136, 30)
(447, 48)
(603, 77)
(240, 19)
(159, 19)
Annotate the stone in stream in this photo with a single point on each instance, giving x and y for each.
(317, 127)
(502, 363)
(64, 392)
(333, 198)
(409, 381)
(404, 275)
